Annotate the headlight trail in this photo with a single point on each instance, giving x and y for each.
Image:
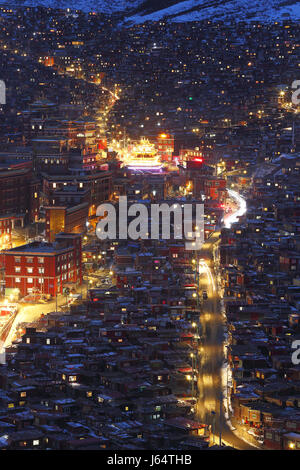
(204, 266)
(231, 219)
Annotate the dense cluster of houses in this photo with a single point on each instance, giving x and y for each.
(116, 371)
(261, 283)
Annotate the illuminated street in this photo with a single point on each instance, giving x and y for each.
(28, 314)
(211, 354)
(32, 312)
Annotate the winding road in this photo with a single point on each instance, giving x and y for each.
(211, 353)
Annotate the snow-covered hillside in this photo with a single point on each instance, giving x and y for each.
(190, 10)
(139, 11)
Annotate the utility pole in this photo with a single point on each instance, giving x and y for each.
(197, 276)
(227, 384)
(220, 430)
(213, 425)
(293, 137)
(193, 385)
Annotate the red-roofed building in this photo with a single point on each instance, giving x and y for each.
(44, 268)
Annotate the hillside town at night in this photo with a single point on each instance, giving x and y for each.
(139, 343)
